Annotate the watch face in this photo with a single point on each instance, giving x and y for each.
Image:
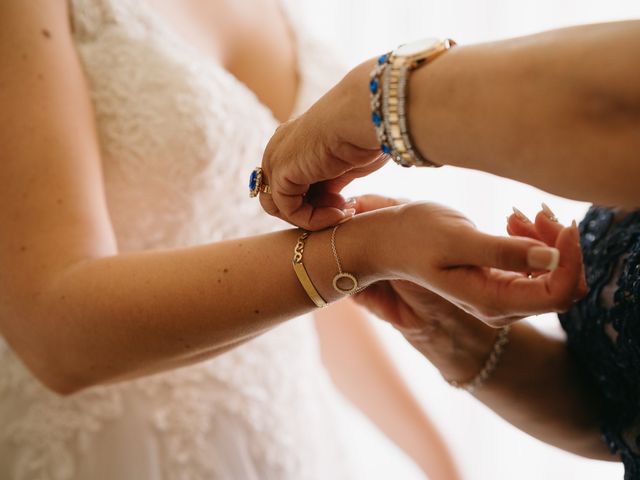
(417, 47)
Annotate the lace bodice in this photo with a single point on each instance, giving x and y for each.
(604, 328)
(178, 137)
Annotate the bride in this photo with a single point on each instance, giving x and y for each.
(142, 337)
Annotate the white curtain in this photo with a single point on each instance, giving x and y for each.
(486, 447)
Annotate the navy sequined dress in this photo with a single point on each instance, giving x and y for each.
(603, 329)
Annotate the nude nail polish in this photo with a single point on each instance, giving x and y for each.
(521, 216)
(543, 258)
(549, 213)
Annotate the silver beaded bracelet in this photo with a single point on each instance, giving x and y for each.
(490, 365)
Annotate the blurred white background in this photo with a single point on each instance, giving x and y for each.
(485, 446)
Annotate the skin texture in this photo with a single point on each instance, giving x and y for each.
(550, 402)
(80, 313)
(559, 110)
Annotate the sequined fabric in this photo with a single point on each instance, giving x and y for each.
(604, 328)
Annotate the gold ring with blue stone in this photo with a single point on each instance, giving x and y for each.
(257, 184)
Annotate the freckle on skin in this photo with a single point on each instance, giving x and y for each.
(219, 281)
(46, 33)
(226, 270)
(257, 312)
(59, 201)
(23, 248)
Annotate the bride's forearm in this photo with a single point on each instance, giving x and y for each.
(559, 110)
(106, 319)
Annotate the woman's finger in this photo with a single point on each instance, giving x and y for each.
(495, 295)
(369, 202)
(516, 254)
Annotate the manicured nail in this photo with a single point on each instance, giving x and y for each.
(543, 258)
(575, 231)
(549, 213)
(349, 213)
(520, 216)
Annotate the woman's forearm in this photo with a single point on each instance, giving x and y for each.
(363, 370)
(536, 387)
(132, 314)
(559, 110)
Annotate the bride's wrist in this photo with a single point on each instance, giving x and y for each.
(350, 249)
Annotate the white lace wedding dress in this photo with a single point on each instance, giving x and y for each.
(179, 136)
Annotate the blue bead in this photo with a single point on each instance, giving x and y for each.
(373, 85)
(376, 119)
(385, 149)
(253, 180)
(382, 59)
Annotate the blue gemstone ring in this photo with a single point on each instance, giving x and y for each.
(257, 183)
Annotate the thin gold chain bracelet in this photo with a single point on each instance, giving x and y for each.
(342, 275)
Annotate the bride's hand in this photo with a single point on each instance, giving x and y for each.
(453, 340)
(439, 249)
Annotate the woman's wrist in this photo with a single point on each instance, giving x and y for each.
(457, 346)
(357, 114)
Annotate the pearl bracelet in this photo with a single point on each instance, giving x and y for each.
(490, 365)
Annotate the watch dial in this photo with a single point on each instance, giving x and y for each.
(414, 48)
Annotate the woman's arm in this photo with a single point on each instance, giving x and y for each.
(362, 369)
(537, 386)
(559, 110)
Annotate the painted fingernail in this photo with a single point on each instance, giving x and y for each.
(349, 213)
(543, 258)
(549, 213)
(575, 230)
(520, 216)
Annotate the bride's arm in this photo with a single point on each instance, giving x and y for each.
(361, 367)
(76, 310)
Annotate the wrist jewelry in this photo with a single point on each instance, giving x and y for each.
(353, 281)
(375, 94)
(302, 274)
(388, 94)
(489, 366)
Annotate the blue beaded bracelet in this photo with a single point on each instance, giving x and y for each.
(375, 90)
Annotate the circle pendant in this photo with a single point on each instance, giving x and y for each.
(350, 278)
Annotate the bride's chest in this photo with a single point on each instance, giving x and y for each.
(163, 108)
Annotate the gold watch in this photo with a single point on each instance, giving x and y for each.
(401, 62)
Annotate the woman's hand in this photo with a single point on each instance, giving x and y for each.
(486, 276)
(309, 160)
(452, 339)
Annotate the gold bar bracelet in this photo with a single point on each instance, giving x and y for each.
(302, 274)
